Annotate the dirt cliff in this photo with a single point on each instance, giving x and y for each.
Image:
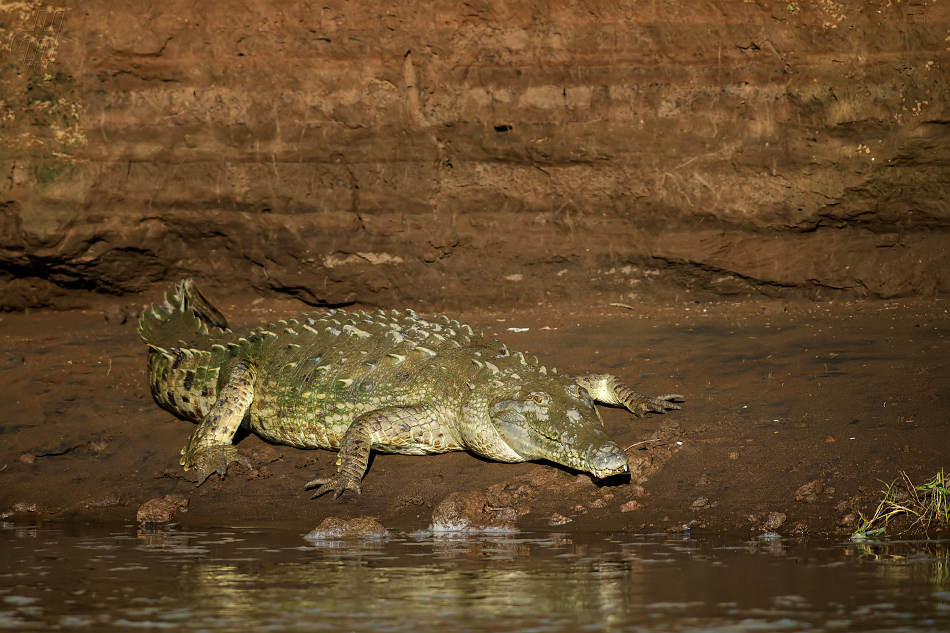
(461, 154)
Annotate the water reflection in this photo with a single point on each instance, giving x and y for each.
(226, 579)
(914, 561)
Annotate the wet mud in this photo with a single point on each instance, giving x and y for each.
(795, 414)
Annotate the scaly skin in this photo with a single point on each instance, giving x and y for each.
(385, 382)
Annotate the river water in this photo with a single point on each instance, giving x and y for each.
(65, 577)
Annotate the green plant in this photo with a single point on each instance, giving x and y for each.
(928, 504)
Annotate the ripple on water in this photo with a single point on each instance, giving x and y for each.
(270, 580)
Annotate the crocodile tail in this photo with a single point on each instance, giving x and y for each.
(182, 320)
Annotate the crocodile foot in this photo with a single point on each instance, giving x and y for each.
(640, 405)
(609, 389)
(337, 483)
(215, 459)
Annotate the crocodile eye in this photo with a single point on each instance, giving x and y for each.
(541, 399)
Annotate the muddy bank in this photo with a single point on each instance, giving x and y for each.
(794, 413)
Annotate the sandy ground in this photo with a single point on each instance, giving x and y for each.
(778, 396)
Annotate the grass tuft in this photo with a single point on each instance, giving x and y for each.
(928, 505)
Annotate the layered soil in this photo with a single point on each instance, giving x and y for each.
(468, 154)
(795, 414)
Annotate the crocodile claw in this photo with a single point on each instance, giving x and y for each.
(215, 459)
(658, 404)
(337, 483)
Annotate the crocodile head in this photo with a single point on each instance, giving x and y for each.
(556, 420)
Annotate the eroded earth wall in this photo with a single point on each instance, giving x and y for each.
(444, 154)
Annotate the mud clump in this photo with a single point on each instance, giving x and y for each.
(335, 529)
(19, 508)
(809, 492)
(775, 520)
(471, 511)
(631, 506)
(161, 510)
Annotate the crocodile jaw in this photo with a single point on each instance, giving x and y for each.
(583, 447)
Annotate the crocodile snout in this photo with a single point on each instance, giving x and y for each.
(607, 460)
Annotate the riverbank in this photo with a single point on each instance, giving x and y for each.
(795, 414)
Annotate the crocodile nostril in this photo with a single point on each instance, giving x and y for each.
(608, 457)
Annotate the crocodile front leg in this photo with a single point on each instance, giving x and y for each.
(608, 389)
(413, 429)
(209, 448)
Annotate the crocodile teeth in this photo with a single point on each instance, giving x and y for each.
(494, 370)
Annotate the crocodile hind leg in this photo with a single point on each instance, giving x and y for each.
(608, 389)
(209, 449)
(413, 429)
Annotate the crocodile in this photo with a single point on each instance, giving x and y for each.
(387, 381)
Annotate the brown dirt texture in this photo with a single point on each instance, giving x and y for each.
(479, 153)
(795, 414)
